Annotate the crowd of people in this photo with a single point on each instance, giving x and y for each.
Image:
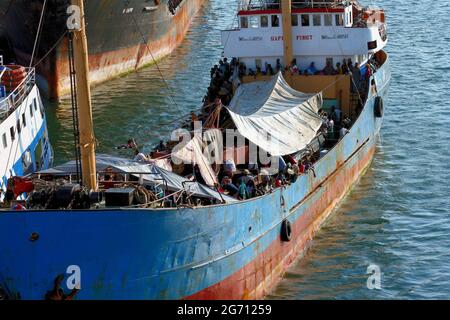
(346, 67)
(221, 85)
(253, 180)
(360, 74)
(334, 125)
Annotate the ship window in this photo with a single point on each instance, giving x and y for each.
(35, 104)
(254, 22)
(372, 45)
(317, 20)
(127, 10)
(19, 128)
(305, 20)
(339, 20)
(294, 20)
(275, 21)
(5, 142)
(244, 22)
(13, 133)
(31, 110)
(264, 21)
(27, 162)
(328, 19)
(24, 121)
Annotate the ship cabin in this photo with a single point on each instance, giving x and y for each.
(24, 143)
(321, 32)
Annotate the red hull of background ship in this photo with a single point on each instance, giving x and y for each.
(123, 36)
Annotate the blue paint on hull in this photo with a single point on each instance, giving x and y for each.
(166, 254)
(46, 159)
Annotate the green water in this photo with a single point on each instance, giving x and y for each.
(141, 104)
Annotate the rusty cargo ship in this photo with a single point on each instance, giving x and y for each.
(306, 85)
(123, 36)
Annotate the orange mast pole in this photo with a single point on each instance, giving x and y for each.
(86, 124)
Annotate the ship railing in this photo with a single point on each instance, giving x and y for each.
(265, 5)
(15, 98)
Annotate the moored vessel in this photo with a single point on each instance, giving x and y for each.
(168, 229)
(25, 146)
(124, 36)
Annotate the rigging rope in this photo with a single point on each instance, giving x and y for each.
(153, 58)
(52, 48)
(38, 34)
(25, 103)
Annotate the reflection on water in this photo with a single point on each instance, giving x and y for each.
(138, 104)
(397, 216)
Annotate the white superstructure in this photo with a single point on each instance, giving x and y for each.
(24, 143)
(322, 31)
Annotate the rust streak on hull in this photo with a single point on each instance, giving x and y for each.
(108, 65)
(150, 39)
(259, 277)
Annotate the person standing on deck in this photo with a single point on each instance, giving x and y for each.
(329, 70)
(344, 67)
(338, 68)
(279, 67)
(356, 74)
(368, 72)
(140, 157)
(312, 70)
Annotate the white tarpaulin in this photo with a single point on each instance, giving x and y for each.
(193, 153)
(150, 174)
(276, 117)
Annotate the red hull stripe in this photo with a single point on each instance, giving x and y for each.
(257, 278)
(277, 11)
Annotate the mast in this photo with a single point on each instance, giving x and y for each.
(286, 10)
(85, 120)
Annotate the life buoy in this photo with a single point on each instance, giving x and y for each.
(10, 82)
(286, 231)
(15, 71)
(378, 107)
(13, 77)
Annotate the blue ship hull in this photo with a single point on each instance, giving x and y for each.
(229, 251)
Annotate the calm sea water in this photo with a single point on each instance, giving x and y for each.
(397, 217)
